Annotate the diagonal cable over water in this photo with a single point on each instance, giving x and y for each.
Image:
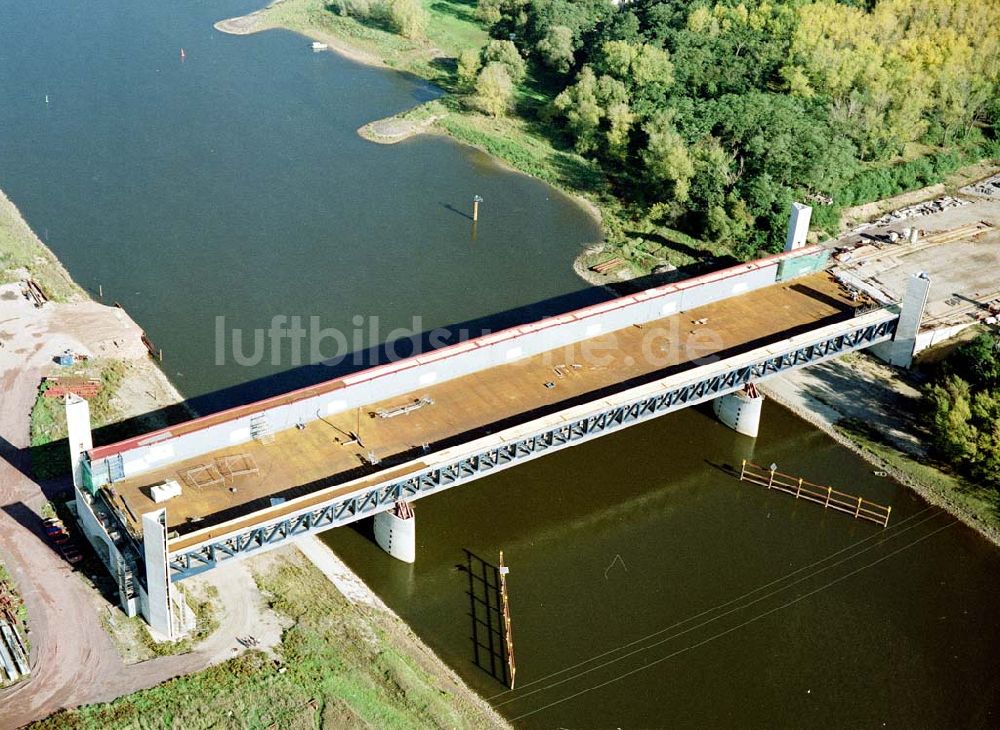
(730, 630)
(895, 533)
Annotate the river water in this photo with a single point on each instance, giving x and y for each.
(232, 184)
(648, 587)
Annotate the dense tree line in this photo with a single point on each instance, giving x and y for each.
(964, 407)
(715, 115)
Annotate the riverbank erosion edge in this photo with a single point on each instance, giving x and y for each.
(810, 394)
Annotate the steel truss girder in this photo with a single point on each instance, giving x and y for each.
(343, 510)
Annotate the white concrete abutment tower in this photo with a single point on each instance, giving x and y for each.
(152, 597)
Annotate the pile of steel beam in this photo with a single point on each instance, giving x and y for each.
(13, 654)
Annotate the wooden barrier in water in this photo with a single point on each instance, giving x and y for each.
(508, 633)
(858, 507)
(492, 638)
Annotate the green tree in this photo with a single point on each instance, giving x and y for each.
(468, 68)
(488, 12)
(977, 362)
(639, 64)
(954, 436)
(965, 413)
(582, 110)
(506, 53)
(494, 89)
(556, 48)
(409, 17)
(620, 121)
(667, 162)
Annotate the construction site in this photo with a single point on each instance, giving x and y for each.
(174, 502)
(14, 663)
(954, 239)
(171, 503)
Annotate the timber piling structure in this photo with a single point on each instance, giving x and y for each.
(858, 507)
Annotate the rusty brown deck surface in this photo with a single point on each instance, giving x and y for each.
(298, 462)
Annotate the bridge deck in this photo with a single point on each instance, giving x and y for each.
(298, 462)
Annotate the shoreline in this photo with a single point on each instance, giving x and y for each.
(355, 590)
(82, 313)
(792, 397)
(60, 313)
(381, 131)
(47, 263)
(256, 22)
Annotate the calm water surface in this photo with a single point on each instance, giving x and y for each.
(649, 589)
(233, 184)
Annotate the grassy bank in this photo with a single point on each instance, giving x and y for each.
(339, 666)
(452, 28)
(22, 255)
(977, 505)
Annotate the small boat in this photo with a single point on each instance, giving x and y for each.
(317, 46)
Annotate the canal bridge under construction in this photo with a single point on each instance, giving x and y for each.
(172, 503)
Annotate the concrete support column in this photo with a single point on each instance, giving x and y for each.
(740, 410)
(79, 436)
(798, 226)
(396, 532)
(900, 350)
(154, 539)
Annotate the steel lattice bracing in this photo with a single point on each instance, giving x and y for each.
(699, 385)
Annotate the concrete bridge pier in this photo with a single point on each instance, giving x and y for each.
(396, 532)
(740, 410)
(900, 350)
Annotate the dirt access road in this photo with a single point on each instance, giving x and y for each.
(73, 659)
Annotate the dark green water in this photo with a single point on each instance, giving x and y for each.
(650, 589)
(233, 184)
